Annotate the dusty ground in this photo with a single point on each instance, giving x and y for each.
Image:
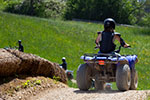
(75, 94)
(50, 89)
(23, 87)
(23, 75)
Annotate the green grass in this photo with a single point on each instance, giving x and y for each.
(54, 39)
(148, 98)
(2, 4)
(71, 84)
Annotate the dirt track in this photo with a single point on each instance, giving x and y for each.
(75, 94)
(13, 61)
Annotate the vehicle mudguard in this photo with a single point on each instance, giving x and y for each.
(132, 59)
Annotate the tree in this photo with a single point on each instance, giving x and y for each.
(39, 8)
(147, 6)
(145, 19)
(121, 10)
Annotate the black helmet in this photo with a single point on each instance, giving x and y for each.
(19, 41)
(63, 59)
(109, 23)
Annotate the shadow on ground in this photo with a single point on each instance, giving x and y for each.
(95, 91)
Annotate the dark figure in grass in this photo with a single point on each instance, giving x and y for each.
(20, 46)
(64, 64)
(105, 39)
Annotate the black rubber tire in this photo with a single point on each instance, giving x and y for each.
(123, 77)
(84, 80)
(134, 80)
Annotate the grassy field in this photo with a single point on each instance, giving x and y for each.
(54, 39)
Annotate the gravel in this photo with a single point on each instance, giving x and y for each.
(75, 94)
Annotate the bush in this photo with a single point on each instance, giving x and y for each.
(12, 6)
(39, 8)
(145, 21)
(121, 10)
(54, 8)
(33, 8)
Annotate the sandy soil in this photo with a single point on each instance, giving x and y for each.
(75, 94)
(52, 90)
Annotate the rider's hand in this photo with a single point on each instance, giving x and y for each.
(97, 46)
(126, 45)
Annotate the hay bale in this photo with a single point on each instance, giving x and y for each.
(8, 63)
(15, 62)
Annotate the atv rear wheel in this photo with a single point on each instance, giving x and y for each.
(123, 77)
(134, 80)
(84, 80)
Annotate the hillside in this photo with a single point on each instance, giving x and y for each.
(54, 39)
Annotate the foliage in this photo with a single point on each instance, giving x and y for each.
(121, 10)
(54, 39)
(39, 8)
(148, 98)
(2, 5)
(37, 82)
(71, 84)
(147, 6)
(17, 88)
(26, 84)
(56, 78)
(54, 9)
(144, 17)
(29, 83)
(145, 21)
(12, 5)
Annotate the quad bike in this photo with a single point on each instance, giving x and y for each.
(104, 68)
(69, 73)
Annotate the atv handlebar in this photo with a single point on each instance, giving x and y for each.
(117, 51)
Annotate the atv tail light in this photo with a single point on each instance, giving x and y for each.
(101, 62)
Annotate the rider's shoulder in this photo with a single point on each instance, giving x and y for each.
(116, 33)
(100, 32)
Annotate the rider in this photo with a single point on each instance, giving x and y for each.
(64, 64)
(20, 46)
(105, 39)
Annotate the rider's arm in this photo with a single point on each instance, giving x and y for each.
(98, 38)
(122, 42)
